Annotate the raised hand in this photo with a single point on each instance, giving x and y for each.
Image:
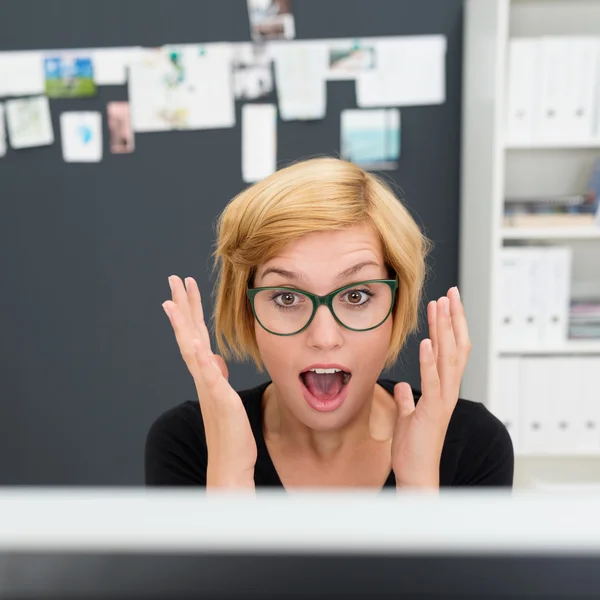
(231, 445)
(420, 431)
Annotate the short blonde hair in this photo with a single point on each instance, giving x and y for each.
(319, 194)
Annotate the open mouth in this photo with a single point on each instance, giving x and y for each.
(325, 385)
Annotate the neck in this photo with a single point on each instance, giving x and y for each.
(374, 421)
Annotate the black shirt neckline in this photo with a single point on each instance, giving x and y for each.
(264, 457)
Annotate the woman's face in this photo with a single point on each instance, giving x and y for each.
(317, 259)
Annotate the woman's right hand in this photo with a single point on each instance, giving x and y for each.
(231, 445)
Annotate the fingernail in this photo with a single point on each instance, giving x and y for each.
(171, 282)
(166, 309)
(457, 292)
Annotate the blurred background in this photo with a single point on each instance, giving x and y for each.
(125, 131)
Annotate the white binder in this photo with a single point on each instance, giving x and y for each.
(580, 87)
(505, 401)
(560, 372)
(508, 287)
(555, 291)
(585, 397)
(550, 122)
(529, 322)
(536, 385)
(522, 65)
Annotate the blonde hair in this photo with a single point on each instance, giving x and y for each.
(319, 194)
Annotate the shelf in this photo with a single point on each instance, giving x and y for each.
(551, 233)
(567, 145)
(563, 454)
(571, 347)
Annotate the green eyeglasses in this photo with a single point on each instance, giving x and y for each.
(283, 310)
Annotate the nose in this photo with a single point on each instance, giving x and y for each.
(324, 332)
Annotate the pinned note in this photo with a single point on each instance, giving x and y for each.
(81, 135)
(409, 71)
(182, 88)
(300, 70)
(111, 65)
(21, 73)
(29, 123)
(259, 141)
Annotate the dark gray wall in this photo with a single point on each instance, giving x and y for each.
(88, 358)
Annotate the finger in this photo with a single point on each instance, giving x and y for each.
(404, 398)
(460, 327)
(432, 322)
(447, 358)
(180, 297)
(196, 310)
(430, 380)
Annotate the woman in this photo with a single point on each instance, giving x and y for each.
(321, 270)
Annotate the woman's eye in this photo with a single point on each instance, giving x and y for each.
(356, 297)
(285, 299)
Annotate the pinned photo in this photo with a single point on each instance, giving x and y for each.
(371, 138)
(252, 75)
(29, 123)
(81, 135)
(348, 59)
(69, 76)
(122, 139)
(271, 20)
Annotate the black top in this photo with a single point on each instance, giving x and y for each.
(477, 449)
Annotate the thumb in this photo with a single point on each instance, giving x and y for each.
(220, 362)
(404, 399)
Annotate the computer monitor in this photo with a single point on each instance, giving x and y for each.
(315, 545)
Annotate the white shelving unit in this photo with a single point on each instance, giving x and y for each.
(551, 233)
(568, 348)
(492, 170)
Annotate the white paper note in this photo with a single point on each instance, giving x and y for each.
(2, 131)
(259, 141)
(410, 70)
(29, 123)
(21, 73)
(187, 87)
(81, 135)
(300, 70)
(111, 64)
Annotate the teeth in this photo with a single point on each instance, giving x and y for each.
(326, 370)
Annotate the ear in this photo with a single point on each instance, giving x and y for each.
(404, 399)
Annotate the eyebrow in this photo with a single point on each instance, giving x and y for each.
(299, 277)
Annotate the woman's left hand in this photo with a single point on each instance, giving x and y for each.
(420, 431)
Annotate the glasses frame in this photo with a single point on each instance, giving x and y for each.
(326, 300)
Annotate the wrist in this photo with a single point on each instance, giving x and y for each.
(426, 483)
(219, 477)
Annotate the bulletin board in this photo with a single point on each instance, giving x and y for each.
(88, 357)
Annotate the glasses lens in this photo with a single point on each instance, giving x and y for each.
(286, 311)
